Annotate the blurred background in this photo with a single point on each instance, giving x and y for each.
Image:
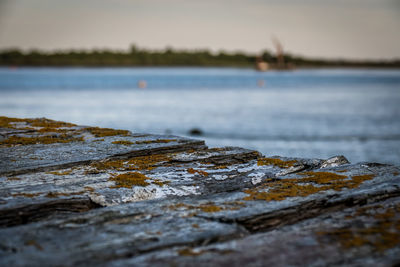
(312, 79)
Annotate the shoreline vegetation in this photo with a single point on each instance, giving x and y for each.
(170, 57)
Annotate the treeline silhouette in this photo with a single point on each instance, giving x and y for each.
(167, 57)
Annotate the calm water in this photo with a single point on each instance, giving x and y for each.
(305, 113)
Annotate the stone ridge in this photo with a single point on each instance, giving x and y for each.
(96, 196)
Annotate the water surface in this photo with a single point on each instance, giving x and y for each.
(304, 113)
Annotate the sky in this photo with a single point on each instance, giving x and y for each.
(354, 29)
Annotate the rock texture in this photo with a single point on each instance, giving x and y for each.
(74, 195)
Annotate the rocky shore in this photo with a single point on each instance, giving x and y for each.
(80, 196)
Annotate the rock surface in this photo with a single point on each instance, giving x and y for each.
(74, 195)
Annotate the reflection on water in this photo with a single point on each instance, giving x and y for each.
(305, 113)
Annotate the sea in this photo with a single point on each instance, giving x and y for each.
(311, 113)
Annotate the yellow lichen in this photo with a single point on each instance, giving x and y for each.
(129, 179)
(102, 132)
(58, 194)
(136, 163)
(159, 182)
(110, 165)
(46, 123)
(276, 162)
(234, 205)
(52, 130)
(60, 172)
(322, 178)
(359, 179)
(18, 140)
(155, 141)
(13, 178)
(208, 207)
(7, 122)
(149, 162)
(382, 234)
(219, 167)
(207, 157)
(26, 194)
(123, 142)
(189, 252)
(34, 244)
(88, 188)
(193, 171)
(313, 183)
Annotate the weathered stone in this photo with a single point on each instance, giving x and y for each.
(45, 148)
(81, 195)
(334, 162)
(357, 236)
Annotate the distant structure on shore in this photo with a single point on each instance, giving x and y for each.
(142, 84)
(262, 65)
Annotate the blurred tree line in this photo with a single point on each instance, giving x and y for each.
(167, 57)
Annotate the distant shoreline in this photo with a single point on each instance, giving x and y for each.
(327, 67)
(174, 58)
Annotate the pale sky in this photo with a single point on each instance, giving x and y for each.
(363, 29)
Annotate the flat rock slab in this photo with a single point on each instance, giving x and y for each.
(92, 196)
(357, 236)
(50, 145)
